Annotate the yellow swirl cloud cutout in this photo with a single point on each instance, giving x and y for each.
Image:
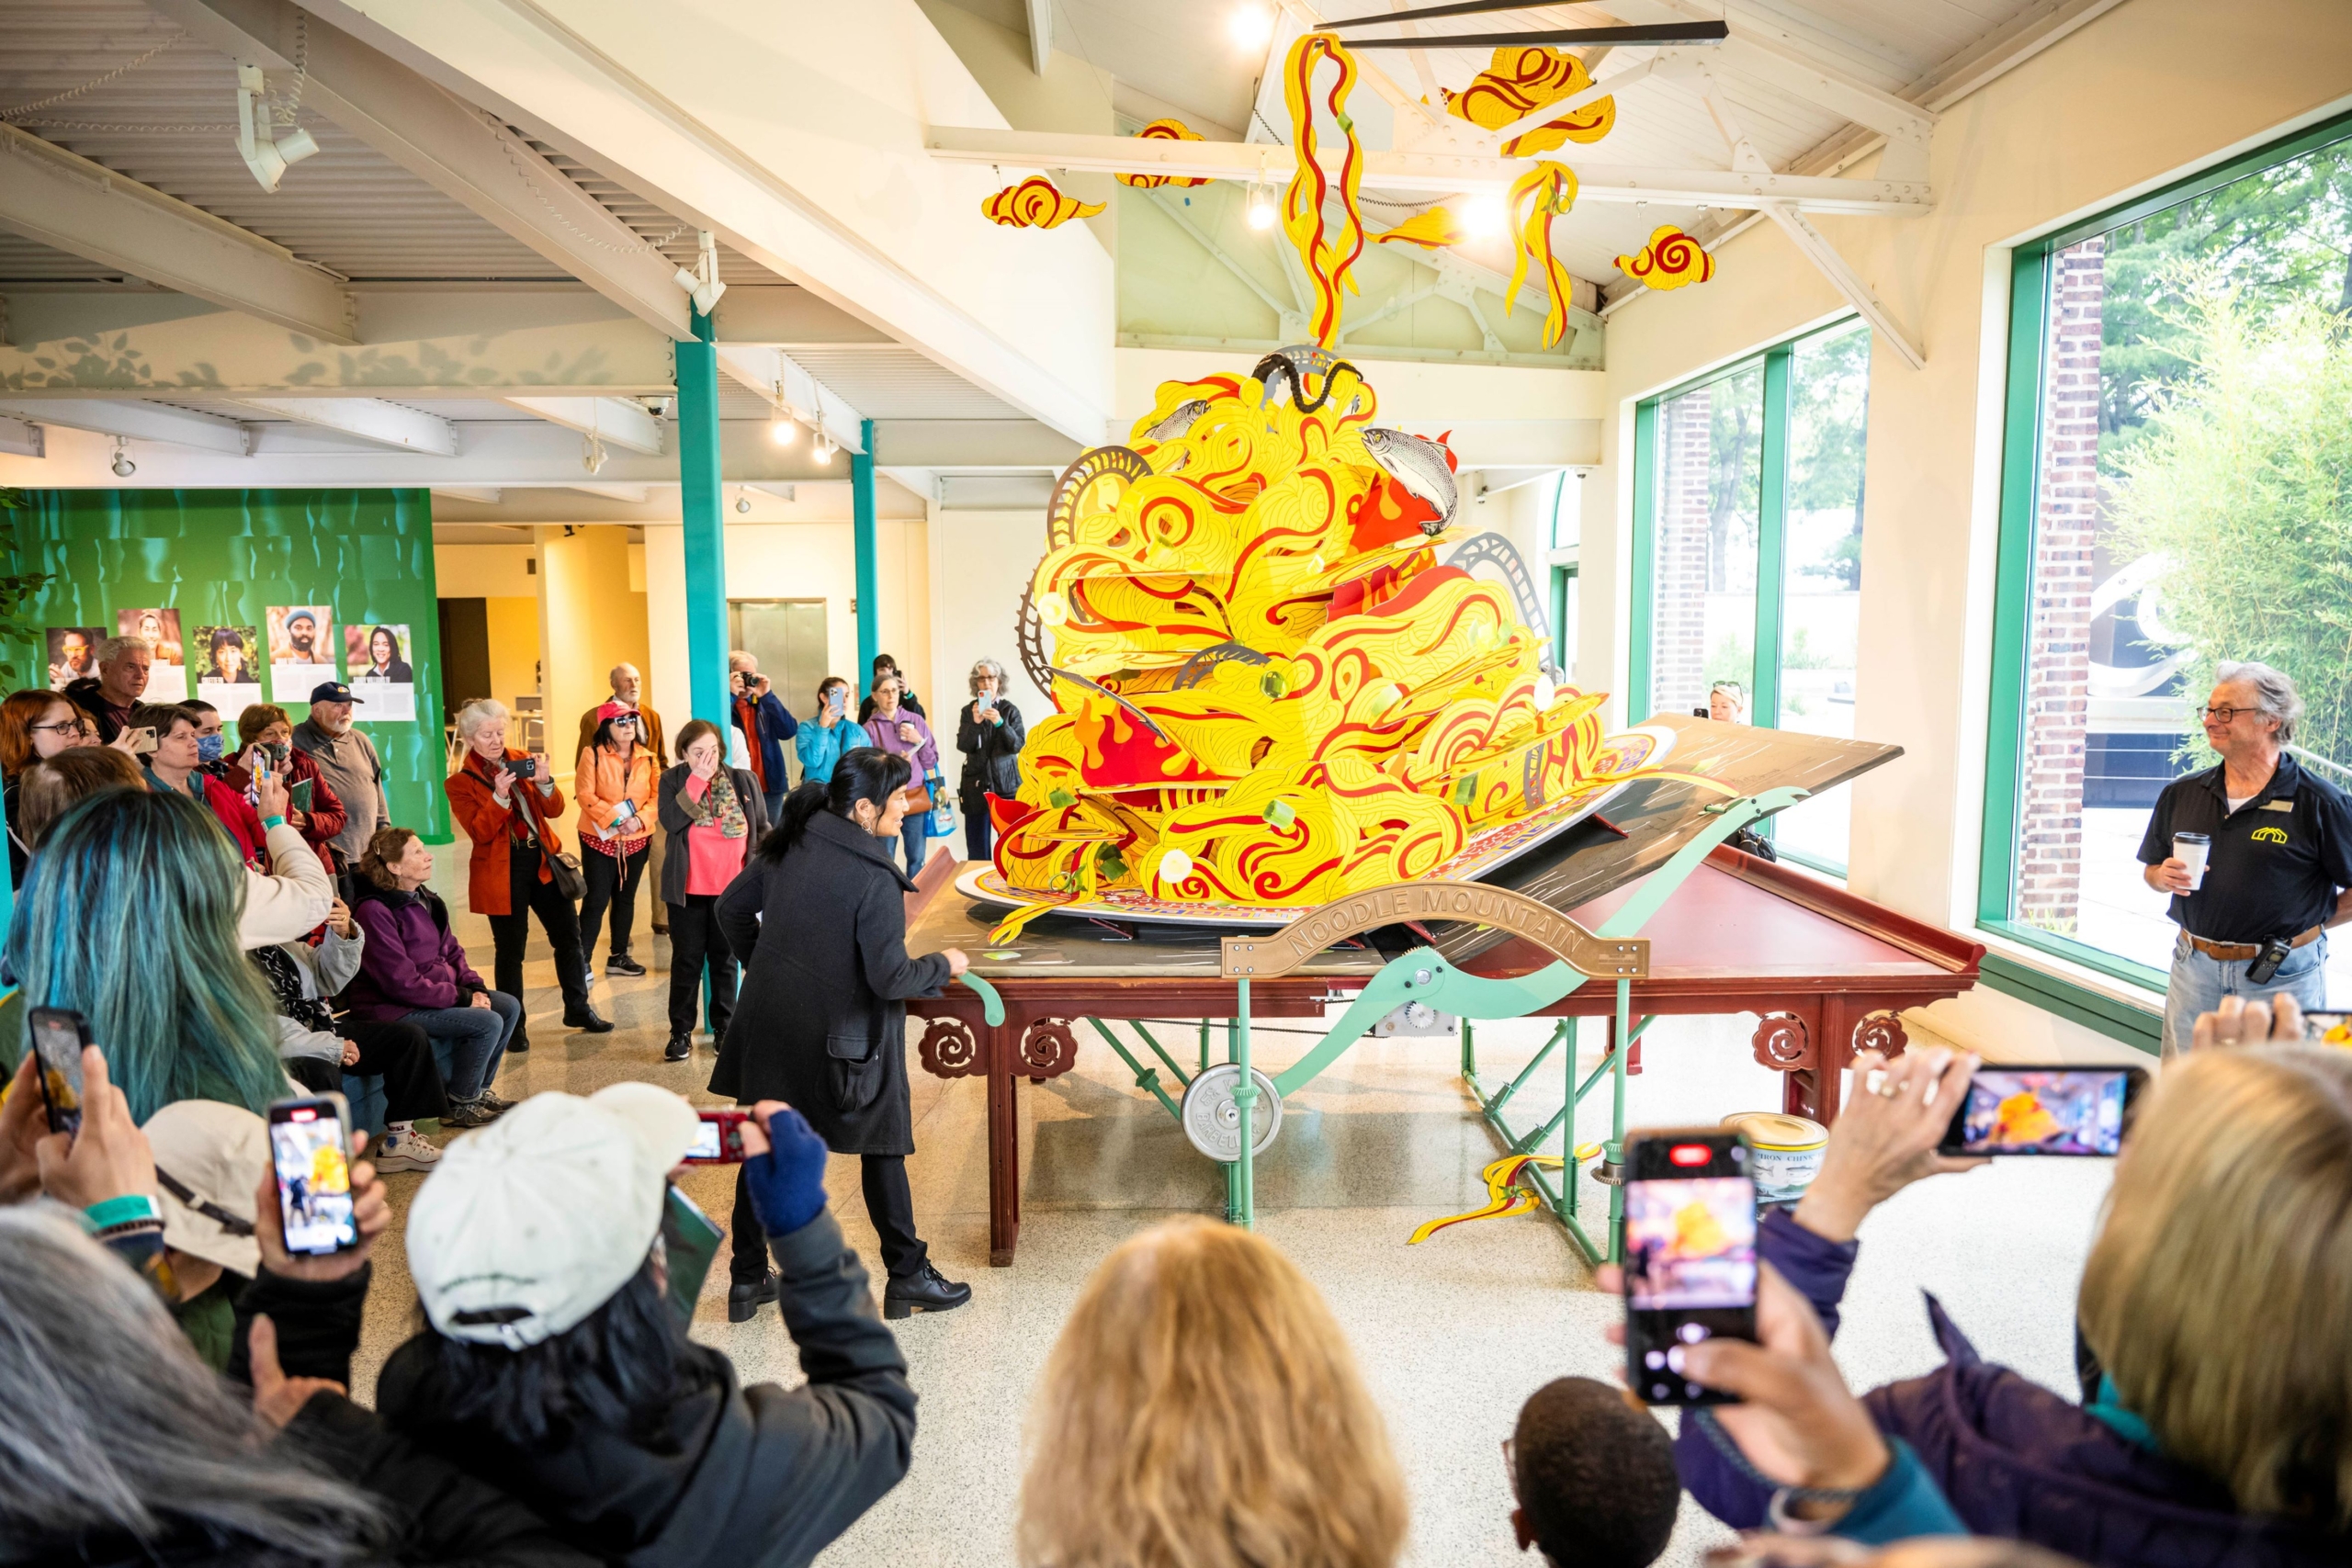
(1163, 131)
(1671, 259)
(1521, 79)
(1035, 203)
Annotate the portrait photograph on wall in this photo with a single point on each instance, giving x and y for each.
(377, 659)
(301, 651)
(228, 677)
(73, 654)
(167, 674)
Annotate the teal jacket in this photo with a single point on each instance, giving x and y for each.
(820, 747)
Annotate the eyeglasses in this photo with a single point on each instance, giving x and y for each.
(2223, 714)
(71, 726)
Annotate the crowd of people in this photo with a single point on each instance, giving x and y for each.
(175, 1380)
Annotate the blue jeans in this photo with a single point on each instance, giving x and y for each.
(477, 1038)
(914, 832)
(2198, 983)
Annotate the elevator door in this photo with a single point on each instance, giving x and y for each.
(788, 636)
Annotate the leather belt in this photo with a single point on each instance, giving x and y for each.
(2244, 952)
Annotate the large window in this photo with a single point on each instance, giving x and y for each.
(2175, 494)
(1747, 551)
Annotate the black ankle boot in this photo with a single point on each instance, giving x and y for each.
(743, 1301)
(587, 1020)
(925, 1290)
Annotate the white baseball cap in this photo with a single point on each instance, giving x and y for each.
(530, 1225)
(217, 1155)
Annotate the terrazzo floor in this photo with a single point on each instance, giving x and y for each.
(1452, 1335)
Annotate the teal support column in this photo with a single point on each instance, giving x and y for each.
(706, 526)
(870, 565)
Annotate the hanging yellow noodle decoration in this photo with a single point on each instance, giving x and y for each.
(1329, 251)
(1504, 1195)
(1537, 196)
(1521, 79)
(1431, 231)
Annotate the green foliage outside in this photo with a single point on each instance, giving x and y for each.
(2240, 476)
(17, 590)
(1828, 411)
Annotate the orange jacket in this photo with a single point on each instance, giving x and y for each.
(490, 878)
(604, 781)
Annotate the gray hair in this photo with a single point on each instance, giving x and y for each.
(114, 647)
(993, 668)
(2274, 693)
(109, 1425)
(741, 658)
(478, 715)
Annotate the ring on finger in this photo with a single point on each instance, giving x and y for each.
(1883, 1084)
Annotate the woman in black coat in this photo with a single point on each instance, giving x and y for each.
(990, 734)
(818, 921)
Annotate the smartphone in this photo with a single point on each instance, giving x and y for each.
(720, 1140)
(522, 767)
(2081, 1111)
(142, 741)
(309, 1149)
(839, 701)
(2328, 1028)
(59, 1034)
(1689, 1251)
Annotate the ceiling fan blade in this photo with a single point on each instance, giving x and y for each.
(1427, 12)
(1671, 32)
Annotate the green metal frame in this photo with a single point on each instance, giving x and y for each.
(1640, 656)
(1562, 654)
(2029, 280)
(866, 550)
(1422, 975)
(705, 531)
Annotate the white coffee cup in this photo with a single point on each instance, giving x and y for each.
(2192, 850)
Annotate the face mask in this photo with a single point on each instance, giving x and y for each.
(279, 751)
(208, 748)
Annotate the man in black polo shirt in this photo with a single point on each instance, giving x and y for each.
(2280, 863)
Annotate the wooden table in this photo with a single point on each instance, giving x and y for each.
(1827, 972)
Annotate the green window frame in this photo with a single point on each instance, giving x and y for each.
(1562, 655)
(2031, 266)
(1771, 543)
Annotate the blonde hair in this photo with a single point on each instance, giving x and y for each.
(1201, 1410)
(2216, 1293)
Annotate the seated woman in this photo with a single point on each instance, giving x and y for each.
(33, 726)
(319, 1048)
(2216, 1416)
(1201, 1406)
(178, 764)
(130, 917)
(413, 970)
(265, 728)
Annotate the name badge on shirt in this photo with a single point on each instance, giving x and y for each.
(2279, 806)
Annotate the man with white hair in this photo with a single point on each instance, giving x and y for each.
(117, 688)
(2257, 853)
(766, 723)
(629, 688)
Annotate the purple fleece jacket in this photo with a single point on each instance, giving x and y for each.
(2015, 1459)
(411, 961)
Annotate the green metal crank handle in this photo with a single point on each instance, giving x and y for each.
(991, 1005)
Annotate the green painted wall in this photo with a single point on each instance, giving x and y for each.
(220, 556)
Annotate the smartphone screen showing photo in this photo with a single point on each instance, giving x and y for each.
(2043, 1110)
(57, 1042)
(1691, 1244)
(313, 1155)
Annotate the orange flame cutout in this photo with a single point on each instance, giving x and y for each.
(1431, 231)
(1327, 249)
(1035, 203)
(1671, 259)
(1537, 196)
(1163, 131)
(1522, 79)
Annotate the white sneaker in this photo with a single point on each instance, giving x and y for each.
(406, 1151)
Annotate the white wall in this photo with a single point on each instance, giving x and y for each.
(980, 562)
(2085, 123)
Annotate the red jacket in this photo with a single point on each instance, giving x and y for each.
(327, 816)
(472, 801)
(243, 825)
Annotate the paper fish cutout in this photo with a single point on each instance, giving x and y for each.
(1671, 259)
(1521, 79)
(1163, 131)
(1431, 231)
(1537, 196)
(1035, 203)
(1328, 246)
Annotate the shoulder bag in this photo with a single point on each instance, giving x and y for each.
(563, 868)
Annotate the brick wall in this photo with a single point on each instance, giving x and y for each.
(2068, 503)
(1678, 626)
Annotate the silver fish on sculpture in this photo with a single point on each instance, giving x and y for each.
(1420, 467)
(1179, 421)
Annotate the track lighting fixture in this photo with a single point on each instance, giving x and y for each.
(703, 281)
(1252, 26)
(266, 154)
(123, 466)
(1261, 208)
(826, 448)
(781, 429)
(592, 454)
(742, 502)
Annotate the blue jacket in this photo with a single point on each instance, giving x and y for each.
(820, 747)
(2015, 1459)
(775, 725)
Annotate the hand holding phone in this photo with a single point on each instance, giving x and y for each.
(60, 1035)
(371, 1213)
(1690, 1250)
(107, 1155)
(2075, 1111)
(1888, 1136)
(720, 1139)
(310, 1158)
(142, 741)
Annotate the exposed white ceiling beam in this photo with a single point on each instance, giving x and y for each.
(616, 419)
(775, 374)
(1546, 114)
(367, 418)
(1041, 34)
(1816, 248)
(139, 421)
(483, 495)
(458, 150)
(84, 208)
(1442, 171)
(19, 439)
(634, 494)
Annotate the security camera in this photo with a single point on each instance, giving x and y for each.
(742, 502)
(123, 466)
(658, 407)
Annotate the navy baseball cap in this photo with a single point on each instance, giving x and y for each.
(333, 692)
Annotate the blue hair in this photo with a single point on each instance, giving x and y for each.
(129, 915)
